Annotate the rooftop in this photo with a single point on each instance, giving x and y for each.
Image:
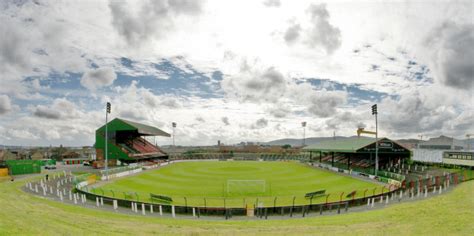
(351, 144)
(146, 129)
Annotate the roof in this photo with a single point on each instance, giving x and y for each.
(70, 153)
(119, 124)
(350, 145)
(7, 155)
(146, 129)
(37, 156)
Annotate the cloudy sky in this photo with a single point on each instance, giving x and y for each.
(235, 70)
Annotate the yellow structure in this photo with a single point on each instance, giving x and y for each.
(361, 130)
(91, 179)
(3, 172)
(250, 211)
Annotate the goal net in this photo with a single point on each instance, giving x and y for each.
(236, 187)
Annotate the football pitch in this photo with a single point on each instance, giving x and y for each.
(238, 184)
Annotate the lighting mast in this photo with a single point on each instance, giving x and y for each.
(374, 112)
(303, 124)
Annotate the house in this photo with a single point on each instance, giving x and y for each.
(7, 155)
(70, 155)
(37, 156)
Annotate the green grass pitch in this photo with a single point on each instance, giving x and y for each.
(209, 180)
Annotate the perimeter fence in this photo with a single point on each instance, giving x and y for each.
(281, 205)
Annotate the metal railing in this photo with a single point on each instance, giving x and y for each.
(263, 207)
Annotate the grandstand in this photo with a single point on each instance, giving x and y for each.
(127, 143)
(358, 153)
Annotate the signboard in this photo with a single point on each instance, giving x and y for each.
(385, 144)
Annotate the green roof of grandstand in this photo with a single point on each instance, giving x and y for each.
(348, 145)
(145, 129)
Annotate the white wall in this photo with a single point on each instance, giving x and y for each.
(428, 155)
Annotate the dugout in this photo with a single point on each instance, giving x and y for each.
(358, 153)
(127, 142)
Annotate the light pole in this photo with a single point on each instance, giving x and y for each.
(303, 124)
(174, 127)
(107, 111)
(374, 112)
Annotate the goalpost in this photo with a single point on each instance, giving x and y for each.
(245, 186)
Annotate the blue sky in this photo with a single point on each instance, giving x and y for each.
(225, 77)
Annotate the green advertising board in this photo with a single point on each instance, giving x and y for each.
(21, 167)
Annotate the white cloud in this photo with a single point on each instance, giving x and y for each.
(279, 110)
(14, 48)
(98, 78)
(452, 54)
(46, 112)
(141, 21)
(272, 3)
(225, 120)
(292, 33)
(171, 103)
(60, 109)
(426, 112)
(22, 134)
(255, 84)
(324, 103)
(259, 124)
(5, 104)
(322, 33)
(264, 58)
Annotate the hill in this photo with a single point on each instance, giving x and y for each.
(298, 142)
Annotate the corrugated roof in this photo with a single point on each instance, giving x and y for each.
(146, 129)
(350, 145)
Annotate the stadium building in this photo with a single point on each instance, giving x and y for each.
(444, 150)
(358, 153)
(450, 157)
(127, 143)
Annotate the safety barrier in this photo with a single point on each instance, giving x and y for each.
(227, 207)
(258, 211)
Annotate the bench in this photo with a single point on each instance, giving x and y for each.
(129, 195)
(160, 197)
(315, 194)
(352, 194)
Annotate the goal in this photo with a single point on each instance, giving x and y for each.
(237, 187)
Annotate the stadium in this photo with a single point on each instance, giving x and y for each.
(331, 177)
(334, 178)
(337, 179)
(267, 117)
